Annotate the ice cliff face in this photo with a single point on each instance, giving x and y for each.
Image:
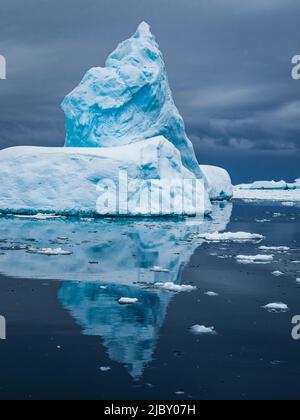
(129, 99)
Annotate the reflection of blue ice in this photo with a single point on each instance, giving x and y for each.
(128, 332)
(118, 255)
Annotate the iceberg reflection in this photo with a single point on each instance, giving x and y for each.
(110, 259)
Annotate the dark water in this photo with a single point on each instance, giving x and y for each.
(63, 328)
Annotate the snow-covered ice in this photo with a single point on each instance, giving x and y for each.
(276, 307)
(254, 259)
(85, 181)
(172, 287)
(231, 237)
(218, 182)
(270, 185)
(202, 330)
(269, 190)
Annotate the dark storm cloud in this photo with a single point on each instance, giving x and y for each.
(229, 65)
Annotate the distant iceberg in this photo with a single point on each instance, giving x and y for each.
(270, 185)
(287, 193)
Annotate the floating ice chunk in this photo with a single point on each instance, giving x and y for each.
(128, 301)
(172, 287)
(263, 220)
(49, 251)
(298, 280)
(276, 307)
(288, 204)
(231, 237)
(158, 269)
(218, 183)
(254, 259)
(39, 216)
(211, 294)
(104, 368)
(277, 273)
(202, 330)
(274, 248)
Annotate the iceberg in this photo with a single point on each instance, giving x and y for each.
(87, 181)
(218, 183)
(126, 150)
(130, 97)
(270, 185)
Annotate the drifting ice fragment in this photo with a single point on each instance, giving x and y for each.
(172, 287)
(202, 330)
(276, 307)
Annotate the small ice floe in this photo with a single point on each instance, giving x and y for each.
(158, 269)
(277, 215)
(276, 307)
(298, 280)
(211, 294)
(295, 262)
(128, 301)
(172, 287)
(13, 247)
(104, 368)
(288, 204)
(179, 393)
(202, 330)
(39, 216)
(278, 273)
(231, 237)
(48, 251)
(274, 248)
(263, 220)
(254, 259)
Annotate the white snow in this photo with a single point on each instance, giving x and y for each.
(172, 287)
(231, 237)
(218, 182)
(254, 259)
(49, 251)
(128, 301)
(202, 330)
(276, 307)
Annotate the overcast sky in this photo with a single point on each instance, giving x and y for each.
(229, 64)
